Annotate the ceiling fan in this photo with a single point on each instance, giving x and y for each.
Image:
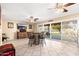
(32, 19)
(62, 7)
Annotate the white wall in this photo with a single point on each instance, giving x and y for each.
(0, 35)
(78, 31)
(34, 28)
(10, 32)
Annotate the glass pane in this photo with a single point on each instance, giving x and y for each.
(40, 28)
(56, 31)
(47, 30)
(69, 31)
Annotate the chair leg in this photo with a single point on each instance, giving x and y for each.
(41, 42)
(45, 42)
(2, 40)
(30, 43)
(6, 39)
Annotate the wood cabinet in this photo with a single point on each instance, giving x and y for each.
(21, 35)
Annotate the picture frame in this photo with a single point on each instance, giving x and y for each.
(10, 25)
(30, 26)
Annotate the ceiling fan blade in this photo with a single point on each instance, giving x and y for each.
(69, 4)
(65, 10)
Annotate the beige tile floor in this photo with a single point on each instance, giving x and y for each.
(52, 48)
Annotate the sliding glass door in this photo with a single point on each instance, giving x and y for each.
(56, 31)
(69, 31)
(66, 30)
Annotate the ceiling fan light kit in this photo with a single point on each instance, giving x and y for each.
(59, 10)
(32, 19)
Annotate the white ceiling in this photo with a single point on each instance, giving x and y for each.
(21, 11)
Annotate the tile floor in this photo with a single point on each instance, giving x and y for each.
(52, 48)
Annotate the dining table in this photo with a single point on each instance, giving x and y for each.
(35, 38)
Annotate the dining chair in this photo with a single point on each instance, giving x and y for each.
(31, 39)
(42, 39)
